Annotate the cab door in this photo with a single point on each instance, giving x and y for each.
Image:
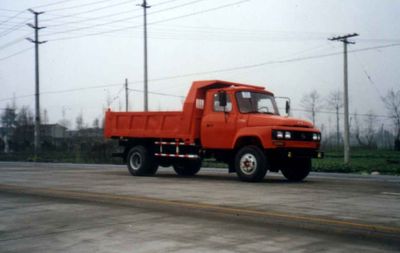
(218, 126)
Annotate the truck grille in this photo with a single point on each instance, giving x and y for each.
(302, 136)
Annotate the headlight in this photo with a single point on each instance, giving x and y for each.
(316, 136)
(288, 135)
(279, 134)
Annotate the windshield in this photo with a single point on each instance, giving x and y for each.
(255, 102)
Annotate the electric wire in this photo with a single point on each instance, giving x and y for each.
(14, 42)
(368, 76)
(86, 19)
(158, 93)
(54, 3)
(216, 71)
(12, 17)
(124, 19)
(76, 6)
(16, 53)
(151, 23)
(89, 11)
(14, 28)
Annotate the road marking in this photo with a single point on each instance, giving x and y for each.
(142, 200)
(391, 193)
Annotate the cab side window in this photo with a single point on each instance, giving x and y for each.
(218, 108)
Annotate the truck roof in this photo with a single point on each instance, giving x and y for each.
(221, 84)
(199, 87)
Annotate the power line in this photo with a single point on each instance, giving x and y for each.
(86, 19)
(158, 93)
(54, 3)
(16, 53)
(77, 6)
(272, 62)
(124, 19)
(89, 11)
(9, 10)
(14, 28)
(368, 77)
(14, 42)
(212, 71)
(341, 113)
(155, 22)
(12, 17)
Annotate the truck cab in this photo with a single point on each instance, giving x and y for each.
(236, 117)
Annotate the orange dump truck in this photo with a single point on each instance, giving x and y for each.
(233, 123)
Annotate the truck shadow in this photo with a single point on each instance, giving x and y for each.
(222, 177)
(210, 176)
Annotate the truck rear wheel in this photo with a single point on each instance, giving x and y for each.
(140, 162)
(251, 164)
(187, 167)
(297, 169)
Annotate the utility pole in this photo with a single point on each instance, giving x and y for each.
(37, 93)
(337, 127)
(345, 41)
(145, 7)
(126, 95)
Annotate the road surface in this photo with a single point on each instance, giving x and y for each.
(77, 207)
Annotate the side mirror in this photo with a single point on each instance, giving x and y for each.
(222, 99)
(287, 107)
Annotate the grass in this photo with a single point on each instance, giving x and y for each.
(363, 161)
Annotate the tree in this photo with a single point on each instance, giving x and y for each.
(8, 121)
(23, 134)
(9, 116)
(311, 102)
(24, 117)
(392, 104)
(335, 102)
(96, 123)
(79, 122)
(45, 117)
(366, 136)
(64, 121)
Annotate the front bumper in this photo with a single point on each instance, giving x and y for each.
(296, 153)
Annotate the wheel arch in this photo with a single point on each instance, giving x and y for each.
(128, 144)
(246, 140)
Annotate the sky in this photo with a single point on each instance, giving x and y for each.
(93, 45)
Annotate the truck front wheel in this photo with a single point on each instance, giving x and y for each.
(297, 169)
(251, 164)
(187, 167)
(140, 162)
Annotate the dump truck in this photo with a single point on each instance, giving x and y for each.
(233, 123)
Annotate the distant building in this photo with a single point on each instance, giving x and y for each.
(53, 131)
(85, 133)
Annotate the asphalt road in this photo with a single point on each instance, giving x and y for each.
(74, 208)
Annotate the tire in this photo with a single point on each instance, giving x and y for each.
(187, 167)
(297, 169)
(251, 164)
(140, 162)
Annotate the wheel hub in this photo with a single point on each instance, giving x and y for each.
(135, 161)
(248, 164)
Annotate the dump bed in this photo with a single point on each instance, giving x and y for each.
(146, 125)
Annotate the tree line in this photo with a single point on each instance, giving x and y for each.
(85, 143)
(366, 130)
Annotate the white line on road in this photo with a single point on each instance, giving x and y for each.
(391, 193)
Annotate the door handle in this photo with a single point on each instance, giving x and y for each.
(209, 125)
